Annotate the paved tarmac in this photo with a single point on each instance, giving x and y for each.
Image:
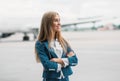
(98, 53)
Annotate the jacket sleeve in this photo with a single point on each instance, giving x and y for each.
(73, 60)
(44, 58)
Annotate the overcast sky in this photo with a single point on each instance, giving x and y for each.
(21, 13)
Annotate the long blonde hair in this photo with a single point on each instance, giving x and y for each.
(47, 32)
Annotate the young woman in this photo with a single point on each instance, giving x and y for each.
(53, 51)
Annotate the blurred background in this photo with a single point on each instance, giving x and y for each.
(92, 28)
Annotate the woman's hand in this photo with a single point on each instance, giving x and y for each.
(70, 54)
(58, 60)
(55, 60)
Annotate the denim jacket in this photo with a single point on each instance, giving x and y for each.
(50, 68)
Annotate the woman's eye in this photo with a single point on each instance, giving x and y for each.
(57, 20)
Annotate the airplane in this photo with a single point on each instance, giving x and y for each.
(34, 30)
(8, 32)
(80, 22)
(93, 20)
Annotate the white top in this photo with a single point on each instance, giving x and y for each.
(55, 45)
(57, 48)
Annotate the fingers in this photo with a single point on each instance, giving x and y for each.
(53, 59)
(70, 54)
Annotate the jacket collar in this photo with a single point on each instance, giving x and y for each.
(49, 50)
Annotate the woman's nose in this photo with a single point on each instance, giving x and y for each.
(59, 23)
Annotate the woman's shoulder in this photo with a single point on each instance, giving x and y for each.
(38, 43)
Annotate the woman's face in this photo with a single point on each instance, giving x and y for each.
(56, 24)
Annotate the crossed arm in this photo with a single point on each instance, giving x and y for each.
(60, 61)
(54, 63)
